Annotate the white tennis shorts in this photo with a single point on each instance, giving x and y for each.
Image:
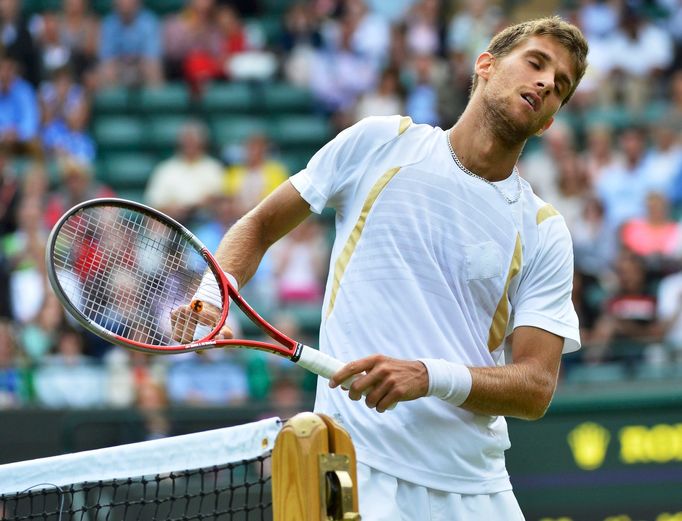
(386, 498)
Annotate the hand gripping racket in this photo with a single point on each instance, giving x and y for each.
(121, 268)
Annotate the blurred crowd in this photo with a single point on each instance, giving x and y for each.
(611, 164)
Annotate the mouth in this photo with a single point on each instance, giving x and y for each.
(532, 100)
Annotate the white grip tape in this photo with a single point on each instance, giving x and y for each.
(202, 331)
(326, 366)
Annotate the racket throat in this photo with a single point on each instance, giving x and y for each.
(297, 352)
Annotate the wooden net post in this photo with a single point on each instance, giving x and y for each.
(314, 474)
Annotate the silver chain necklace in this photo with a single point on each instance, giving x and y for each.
(515, 172)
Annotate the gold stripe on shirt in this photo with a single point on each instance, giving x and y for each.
(501, 316)
(405, 123)
(545, 212)
(348, 249)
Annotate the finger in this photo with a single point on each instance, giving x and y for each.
(351, 369)
(363, 385)
(225, 333)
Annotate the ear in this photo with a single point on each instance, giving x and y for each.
(545, 127)
(483, 65)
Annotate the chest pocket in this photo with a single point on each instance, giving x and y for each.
(483, 261)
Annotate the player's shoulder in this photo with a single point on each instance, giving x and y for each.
(378, 130)
(539, 213)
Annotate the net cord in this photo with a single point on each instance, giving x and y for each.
(177, 453)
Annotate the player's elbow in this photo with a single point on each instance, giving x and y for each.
(539, 399)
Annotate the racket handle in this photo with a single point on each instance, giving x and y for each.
(326, 366)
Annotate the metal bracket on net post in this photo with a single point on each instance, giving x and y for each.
(336, 487)
(314, 475)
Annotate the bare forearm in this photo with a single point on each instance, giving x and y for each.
(520, 390)
(242, 249)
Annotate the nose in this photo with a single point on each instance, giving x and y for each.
(545, 85)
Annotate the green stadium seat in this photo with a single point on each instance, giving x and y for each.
(227, 98)
(119, 133)
(128, 171)
(276, 7)
(103, 7)
(172, 98)
(136, 195)
(295, 161)
(112, 100)
(653, 372)
(271, 26)
(286, 98)
(163, 132)
(163, 7)
(300, 131)
(595, 374)
(235, 130)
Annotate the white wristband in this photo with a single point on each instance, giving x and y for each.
(448, 381)
(209, 290)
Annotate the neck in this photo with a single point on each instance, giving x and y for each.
(480, 149)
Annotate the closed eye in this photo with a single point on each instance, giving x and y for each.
(535, 65)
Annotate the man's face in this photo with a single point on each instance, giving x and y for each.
(525, 88)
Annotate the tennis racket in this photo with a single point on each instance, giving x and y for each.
(122, 269)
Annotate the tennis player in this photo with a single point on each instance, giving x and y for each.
(442, 253)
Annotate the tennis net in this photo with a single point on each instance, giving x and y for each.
(219, 474)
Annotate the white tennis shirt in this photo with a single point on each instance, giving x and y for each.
(429, 262)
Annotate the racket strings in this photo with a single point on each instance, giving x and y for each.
(127, 271)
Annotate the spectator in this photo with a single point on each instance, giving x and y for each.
(594, 244)
(301, 38)
(184, 183)
(258, 175)
(77, 185)
(639, 52)
(599, 154)
(19, 113)
(385, 100)
(339, 75)
(59, 96)
(628, 323)
(471, 29)
(13, 383)
(25, 251)
(453, 89)
(68, 378)
(219, 214)
(572, 188)
(130, 46)
(9, 194)
(656, 238)
(371, 34)
(541, 167)
(301, 260)
(37, 337)
(79, 30)
(421, 102)
(669, 311)
(424, 30)
(16, 40)
(70, 138)
(622, 188)
(53, 53)
(216, 378)
(189, 34)
(664, 160)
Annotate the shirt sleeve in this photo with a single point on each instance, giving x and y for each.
(337, 167)
(543, 298)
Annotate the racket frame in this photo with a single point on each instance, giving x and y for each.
(289, 348)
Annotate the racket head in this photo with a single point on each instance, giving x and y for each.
(120, 268)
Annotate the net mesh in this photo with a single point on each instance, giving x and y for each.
(126, 270)
(237, 490)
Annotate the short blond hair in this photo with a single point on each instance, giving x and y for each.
(563, 32)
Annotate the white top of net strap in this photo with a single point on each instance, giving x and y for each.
(177, 453)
